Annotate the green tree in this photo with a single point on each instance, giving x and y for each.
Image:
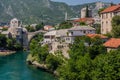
(87, 11)
(82, 23)
(95, 50)
(77, 48)
(43, 52)
(65, 25)
(106, 67)
(4, 29)
(100, 10)
(3, 41)
(18, 46)
(116, 26)
(98, 28)
(39, 26)
(30, 28)
(53, 62)
(10, 44)
(96, 41)
(76, 69)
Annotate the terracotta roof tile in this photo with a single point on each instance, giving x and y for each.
(113, 43)
(84, 19)
(95, 35)
(111, 9)
(48, 26)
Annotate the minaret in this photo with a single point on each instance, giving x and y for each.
(66, 16)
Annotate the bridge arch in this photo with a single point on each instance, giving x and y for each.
(33, 34)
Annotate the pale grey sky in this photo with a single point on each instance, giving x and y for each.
(75, 2)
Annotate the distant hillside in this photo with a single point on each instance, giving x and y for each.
(35, 11)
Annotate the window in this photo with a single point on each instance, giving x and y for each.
(111, 14)
(106, 22)
(84, 31)
(106, 15)
(107, 30)
(102, 23)
(71, 33)
(67, 38)
(102, 16)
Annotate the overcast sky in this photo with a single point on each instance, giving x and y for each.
(75, 2)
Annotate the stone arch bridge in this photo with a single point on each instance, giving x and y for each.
(32, 34)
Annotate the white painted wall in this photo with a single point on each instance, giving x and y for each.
(81, 32)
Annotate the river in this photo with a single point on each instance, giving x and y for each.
(14, 67)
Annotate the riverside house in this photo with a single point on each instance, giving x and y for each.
(68, 35)
(55, 36)
(104, 38)
(88, 21)
(106, 18)
(60, 39)
(112, 44)
(79, 31)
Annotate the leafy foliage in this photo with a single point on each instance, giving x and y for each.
(65, 25)
(3, 41)
(39, 26)
(97, 27)
(116, 26)
(87, 12)
(53, 62)
(35, 28)
(100, 10)
(9, 43)
(30, 28)
(99, 66)
(82, 23)
(86, 62)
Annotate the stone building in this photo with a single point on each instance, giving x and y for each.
(17, 31)
(112, 44)
(68, 35)
(83, 12)
(106, 18)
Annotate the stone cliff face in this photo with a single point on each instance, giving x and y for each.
(35, 11)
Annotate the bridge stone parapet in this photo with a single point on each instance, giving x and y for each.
(32, 34)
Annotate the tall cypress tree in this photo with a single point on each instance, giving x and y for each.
(87, 11)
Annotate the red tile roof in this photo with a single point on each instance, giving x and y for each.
(84, 19)
(96, 35)
(48, 26)
(111, 9)
(112, 43)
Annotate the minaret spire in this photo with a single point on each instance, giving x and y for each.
(66, 16)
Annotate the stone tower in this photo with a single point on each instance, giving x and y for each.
(83, 12)
(18, 32)
(14, 24)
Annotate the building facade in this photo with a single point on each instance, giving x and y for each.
(18, 32)
(79, 31)
(83, 12)
(112, 44)
(68, 35)
(106, 18)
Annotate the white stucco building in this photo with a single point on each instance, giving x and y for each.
(55, 36)
(78, 31)
(68, 35)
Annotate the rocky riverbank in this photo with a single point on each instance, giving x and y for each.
(44, 67)
(5, 53)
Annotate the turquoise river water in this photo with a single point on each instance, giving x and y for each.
(14, 67)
